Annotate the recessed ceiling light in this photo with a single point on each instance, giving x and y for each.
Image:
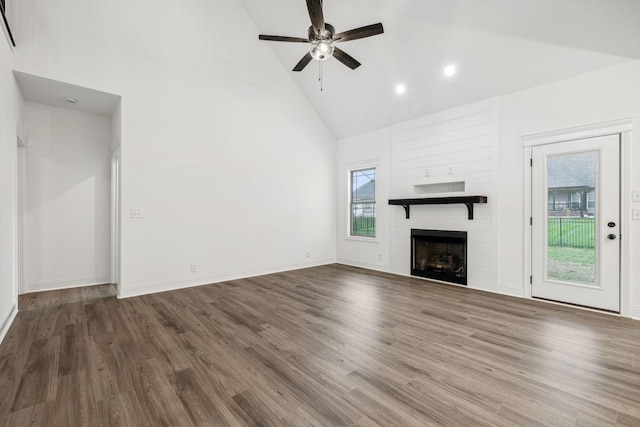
(71, 100)
(449, 70)
(400, 89)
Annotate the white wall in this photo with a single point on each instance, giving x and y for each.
(231, 165)
(69, 197)
(602, 96)
(362, 151)
(483, 143)
(10, 104)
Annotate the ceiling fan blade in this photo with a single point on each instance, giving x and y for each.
(359, 33)
(316, 15)
(345, 58)
(283, 39)
(303, 62)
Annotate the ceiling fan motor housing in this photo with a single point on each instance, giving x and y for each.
(328, 33)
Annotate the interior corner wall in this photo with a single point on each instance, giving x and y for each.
(10, 105)
(69, 197)
(483, 142)
(232, 168)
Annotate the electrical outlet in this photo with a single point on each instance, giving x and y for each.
(636, 214)
(308, 254)
(194, 267)
(136, 213)
(380, 256)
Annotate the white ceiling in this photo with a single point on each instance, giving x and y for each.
(51, 92)
(498, 46)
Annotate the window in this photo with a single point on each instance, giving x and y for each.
(362, 201)
(576, 202)
(591, 200)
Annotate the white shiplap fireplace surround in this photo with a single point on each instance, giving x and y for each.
(453, 154)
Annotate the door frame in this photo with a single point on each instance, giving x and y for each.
(116, 187)
(21, 215)
(623, 127)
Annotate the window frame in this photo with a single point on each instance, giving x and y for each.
(591, 200)
(350, 203)
(575, 198)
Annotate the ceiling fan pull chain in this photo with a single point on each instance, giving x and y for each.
(320, 75)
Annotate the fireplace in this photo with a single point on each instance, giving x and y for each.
(440, 255)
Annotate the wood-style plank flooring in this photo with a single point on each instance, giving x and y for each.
(324, 346)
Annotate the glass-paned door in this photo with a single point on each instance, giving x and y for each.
(575, 222)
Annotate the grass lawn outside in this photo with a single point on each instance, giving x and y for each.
(572, 264)
(571, 249)
(363, 227)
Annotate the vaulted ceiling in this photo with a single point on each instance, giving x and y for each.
(497, 46)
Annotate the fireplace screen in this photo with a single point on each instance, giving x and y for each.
(440, 255)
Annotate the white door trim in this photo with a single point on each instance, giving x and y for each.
(579, 132)
(526, 191)
(624, 127)
(115, 217)
(21, 215)
(625, 220)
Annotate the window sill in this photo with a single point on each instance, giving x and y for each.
(362, 239)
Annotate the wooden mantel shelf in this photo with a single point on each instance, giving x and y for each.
(468, 201)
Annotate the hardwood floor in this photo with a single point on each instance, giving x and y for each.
(331, 345)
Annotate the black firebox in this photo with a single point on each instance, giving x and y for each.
(440, 255)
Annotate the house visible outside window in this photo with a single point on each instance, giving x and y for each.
(362, 202)
(591, 201)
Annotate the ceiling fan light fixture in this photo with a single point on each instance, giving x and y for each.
(321, 50)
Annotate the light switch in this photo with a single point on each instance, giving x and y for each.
(635, 196)
(636, 214)
(136, 213)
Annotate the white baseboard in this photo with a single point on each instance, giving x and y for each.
(375, 267)
(514, 291)
(152, 288)
(634, 313)
(7, 322)
(52, 285)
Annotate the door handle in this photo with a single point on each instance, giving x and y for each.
(611, 236)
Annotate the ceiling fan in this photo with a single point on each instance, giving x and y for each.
(323, 38)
